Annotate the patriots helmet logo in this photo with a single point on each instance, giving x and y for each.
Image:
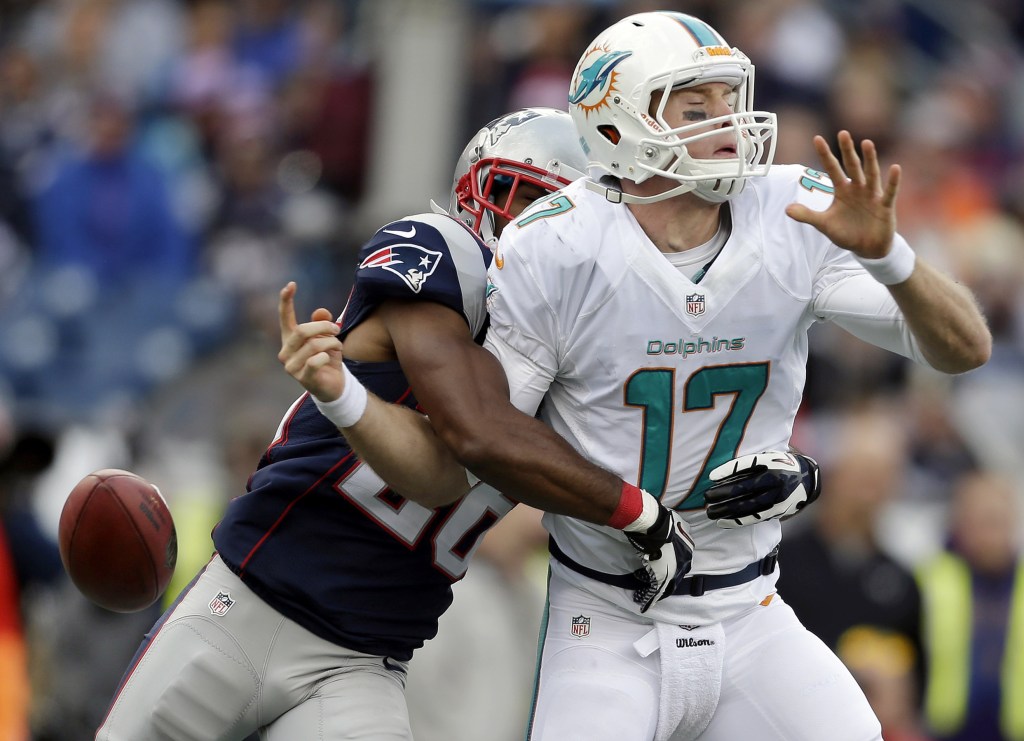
(499, 127)
(410, 262)
(595, 80)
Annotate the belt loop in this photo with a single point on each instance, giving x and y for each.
(697, 585)
(769, 562)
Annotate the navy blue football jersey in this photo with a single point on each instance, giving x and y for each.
(318, 535)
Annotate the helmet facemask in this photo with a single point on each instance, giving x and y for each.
(490, 187)
(528, 148)
(664, 151)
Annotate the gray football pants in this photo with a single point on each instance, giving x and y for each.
(216, 673)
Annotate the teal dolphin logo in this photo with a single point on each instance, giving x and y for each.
(597, 76)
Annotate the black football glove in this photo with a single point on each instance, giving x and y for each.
(763, 486)
(666, 550)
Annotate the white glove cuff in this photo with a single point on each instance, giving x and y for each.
(895, 267)
(348, 408)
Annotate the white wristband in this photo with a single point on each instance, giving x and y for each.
(895, 267)
(348, 408)
(648, 516)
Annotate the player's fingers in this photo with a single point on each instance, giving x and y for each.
(297, 334)
(321, 315)
(318, 361)
(851, 160)
(732, 466)
(314, 329)
(286, 308)
(892, 186)
(829, 161)
(314, 345)
(872, 171)
(800, 212)
(295, 357)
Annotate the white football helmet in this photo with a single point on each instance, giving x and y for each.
(610, 101)
(539, 146)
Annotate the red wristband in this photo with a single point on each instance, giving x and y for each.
(631, 506)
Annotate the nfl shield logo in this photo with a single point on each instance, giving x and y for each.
(580, 627)
(220, 604)
(695, 304)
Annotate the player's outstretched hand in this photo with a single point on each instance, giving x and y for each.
(311, 351)
(666, 550)
(763, 486)
(862, 216)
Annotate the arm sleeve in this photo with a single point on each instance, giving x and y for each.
(864, 307)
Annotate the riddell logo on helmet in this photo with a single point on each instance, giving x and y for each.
(717, 51)
(651, 122)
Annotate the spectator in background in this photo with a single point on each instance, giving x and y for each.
(326, 106)
(29, 559)
(974, 616)
(834, 572)
(268, 38)
(205, 75)
(25, 135)
(107, 211)
(937, 454)
(989, 253)
(100, 305)
(14, 681)
(552, 41)
(865, 91)
(798, 46)
(883, 663)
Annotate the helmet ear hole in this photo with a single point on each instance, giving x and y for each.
(610, 133)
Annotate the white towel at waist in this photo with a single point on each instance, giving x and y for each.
(691, 677)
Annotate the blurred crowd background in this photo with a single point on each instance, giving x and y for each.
(166, 166)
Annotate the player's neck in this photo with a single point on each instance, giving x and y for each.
(680, 223)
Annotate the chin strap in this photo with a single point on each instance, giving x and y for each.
(614, 194)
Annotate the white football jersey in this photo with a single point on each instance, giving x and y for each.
(659, 379)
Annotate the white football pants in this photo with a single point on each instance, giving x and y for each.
(760, 676)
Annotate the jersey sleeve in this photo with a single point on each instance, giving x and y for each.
(426, 257)
(524, 326)
(813, 188)
(836, 285)
(549, 275)
(844, 292)
(527, 382)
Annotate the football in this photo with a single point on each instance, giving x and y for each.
(117, 540)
